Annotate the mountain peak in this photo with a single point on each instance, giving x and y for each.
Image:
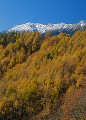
(60, 27)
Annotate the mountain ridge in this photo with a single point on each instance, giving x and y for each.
(60, 27)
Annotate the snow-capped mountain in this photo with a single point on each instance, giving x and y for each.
(61, 27)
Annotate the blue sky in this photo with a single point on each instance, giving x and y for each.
(16, 12)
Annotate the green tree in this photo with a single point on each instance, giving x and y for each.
(84, 28)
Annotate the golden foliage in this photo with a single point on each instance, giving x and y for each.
(36, 72)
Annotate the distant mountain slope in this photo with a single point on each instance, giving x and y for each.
(53, 28)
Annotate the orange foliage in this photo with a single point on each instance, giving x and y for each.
(36, 73)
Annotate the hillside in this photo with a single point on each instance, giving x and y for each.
(42, 78)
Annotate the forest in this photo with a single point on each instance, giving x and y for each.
(43, 77)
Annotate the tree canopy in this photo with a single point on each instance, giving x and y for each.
(36, 72)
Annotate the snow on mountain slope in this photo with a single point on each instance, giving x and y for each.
(45, 28)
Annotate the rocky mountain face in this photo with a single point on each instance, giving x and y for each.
(52, 28)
